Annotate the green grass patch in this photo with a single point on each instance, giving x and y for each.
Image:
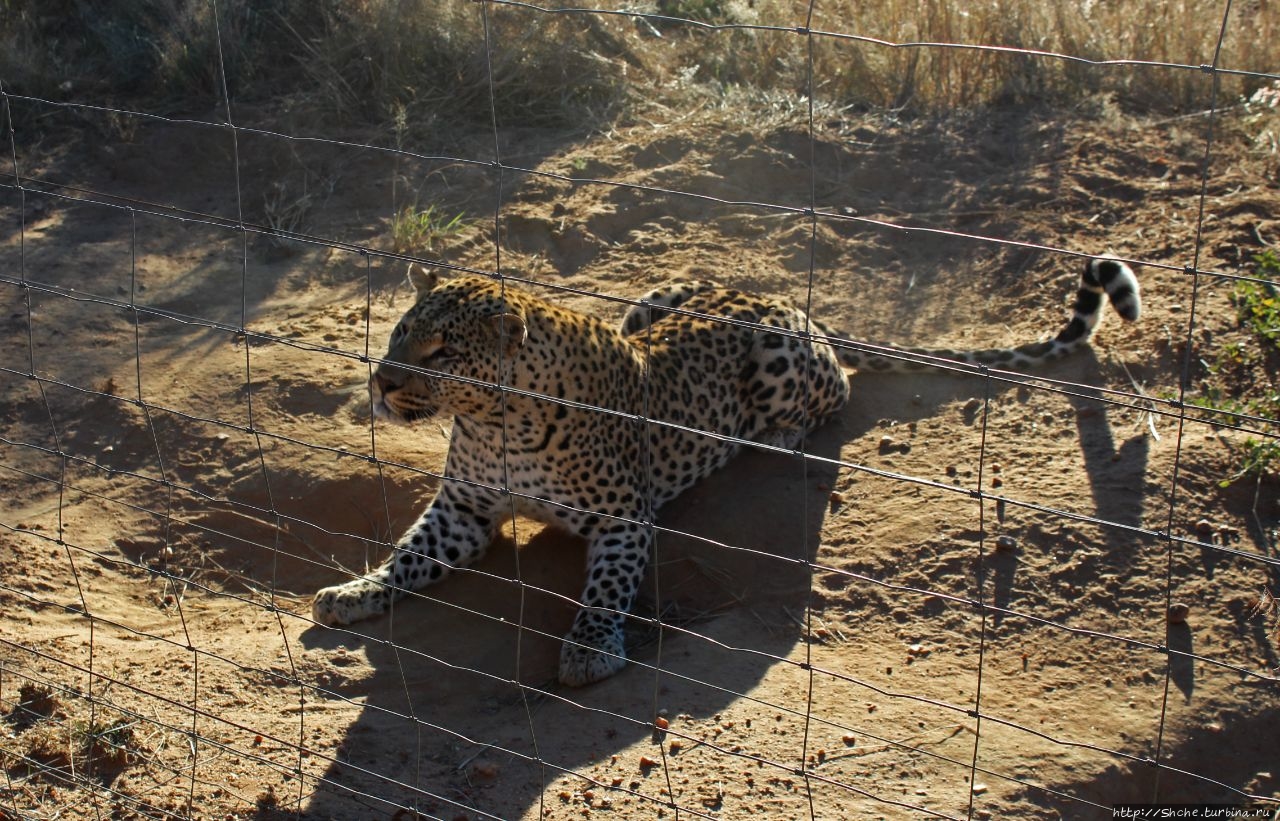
(423, 231)
(1240, 387)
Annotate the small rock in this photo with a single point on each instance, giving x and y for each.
(1178, 613)
(1006, 543)
(979, 789)
(1205, 528)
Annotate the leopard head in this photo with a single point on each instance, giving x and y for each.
(450, 352)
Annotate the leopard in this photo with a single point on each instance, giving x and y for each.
(591, 428)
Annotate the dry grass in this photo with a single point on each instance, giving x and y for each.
(369, 61)
(893, 64)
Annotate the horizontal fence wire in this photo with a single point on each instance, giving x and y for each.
(88, 737)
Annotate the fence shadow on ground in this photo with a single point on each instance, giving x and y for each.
(464, 679)
(1238, 749)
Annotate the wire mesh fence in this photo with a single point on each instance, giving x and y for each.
(975, 590)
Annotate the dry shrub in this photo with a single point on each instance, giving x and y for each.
(373, 60)
(360, 61)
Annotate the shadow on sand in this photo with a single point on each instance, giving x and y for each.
(464, 688)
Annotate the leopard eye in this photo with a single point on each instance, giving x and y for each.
(442, 355)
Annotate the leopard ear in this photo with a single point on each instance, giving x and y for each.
(423, 279)
(511, 332)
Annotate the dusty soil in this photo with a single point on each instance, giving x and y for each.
(174, 487)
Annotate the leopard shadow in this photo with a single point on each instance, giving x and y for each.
(462, 711)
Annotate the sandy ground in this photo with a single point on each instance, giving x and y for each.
(173, 490)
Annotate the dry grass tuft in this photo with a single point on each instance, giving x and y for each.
(35, 702)
(423, 231)
(74, 750)
(102, 744)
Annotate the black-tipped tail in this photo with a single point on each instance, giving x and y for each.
(1103, 277)
(1118, 281)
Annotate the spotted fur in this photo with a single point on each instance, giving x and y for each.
(551, 404)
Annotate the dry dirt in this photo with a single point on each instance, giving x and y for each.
(819, 655)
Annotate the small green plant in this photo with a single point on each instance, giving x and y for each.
(419, 231)
(1241, 389)
(1259, 303)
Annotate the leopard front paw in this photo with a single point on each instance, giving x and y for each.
(350, 602)
(592, 651)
